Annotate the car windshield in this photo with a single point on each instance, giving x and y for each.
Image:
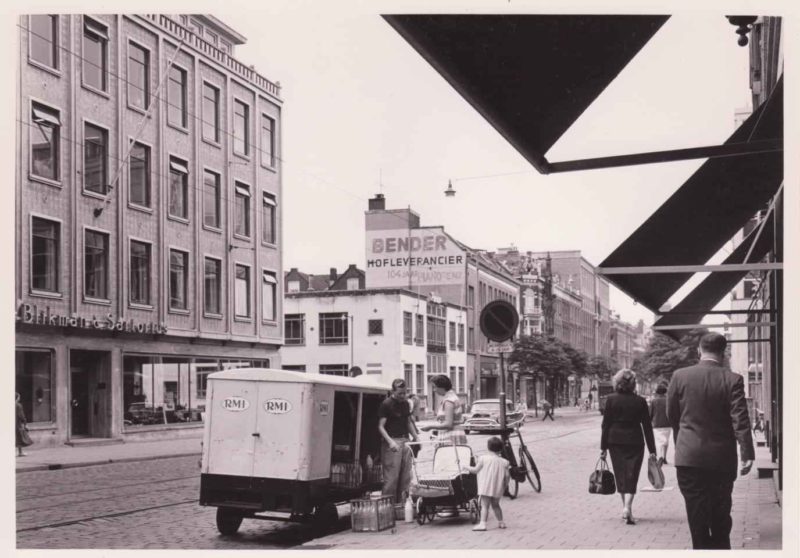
(489, 408)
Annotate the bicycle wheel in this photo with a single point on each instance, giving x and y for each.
(512, 489)
(531, 471)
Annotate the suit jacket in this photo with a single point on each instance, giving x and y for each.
(626, 421)
(658, 411)
(708, 413)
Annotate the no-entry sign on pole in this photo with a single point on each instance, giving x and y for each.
(499, 320)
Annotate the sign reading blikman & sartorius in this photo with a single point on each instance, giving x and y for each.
(33, 314)
(413, 257)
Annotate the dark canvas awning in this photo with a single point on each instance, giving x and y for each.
(713, 288)
(530, 76)
(705, 213)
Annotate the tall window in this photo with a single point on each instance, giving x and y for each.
(419, 334)
(211, 199)
(295, 329)
(176, 97)
(95, 54)
(43, 39)
(420, 389)
(178, 279)
(178, 188)
(267, 141)
(241, 217)
(139, 177)
(35, 384)
(333, 328)
(95, 268)
(407, 326)
(210, 112)
(352, 283)
(45, 144)
(242, 292)
(462, 380)
(460, 337)
(138, 76)
(212, 286)
(95, 159)
(241, 128)
(45, 243)
(471, 339)
(269, 288)
(452, 332)
(268, 219)
(471, 296)
(140, 272)
(408, 376)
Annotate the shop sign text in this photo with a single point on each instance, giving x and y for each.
(32, 314)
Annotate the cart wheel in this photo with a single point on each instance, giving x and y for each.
(467, 431)
(420, 512)
(324, 519)
(474, 511)
(430, 513)
(228, 521)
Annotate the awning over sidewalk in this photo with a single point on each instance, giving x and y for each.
(713, 288)
(530, 76)
(705, 213)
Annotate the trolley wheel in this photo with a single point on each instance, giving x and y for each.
(421, 517)
(324, 519)
(474, 511)
(513, 488)
(228, 521)
(531, 471)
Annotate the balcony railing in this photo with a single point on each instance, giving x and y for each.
(190, 38)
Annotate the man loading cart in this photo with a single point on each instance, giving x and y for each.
(395, 426)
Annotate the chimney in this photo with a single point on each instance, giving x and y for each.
(332, 277)
(378, 203)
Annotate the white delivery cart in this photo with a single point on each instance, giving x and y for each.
(283, 445)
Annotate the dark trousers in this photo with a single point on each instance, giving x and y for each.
(548, 413)
(707, 494)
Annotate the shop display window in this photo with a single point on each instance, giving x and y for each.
(34, 383)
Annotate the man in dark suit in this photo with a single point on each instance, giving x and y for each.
(708, 413)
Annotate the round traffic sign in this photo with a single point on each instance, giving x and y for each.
(499, 320)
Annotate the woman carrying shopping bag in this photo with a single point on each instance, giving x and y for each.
(626, 428)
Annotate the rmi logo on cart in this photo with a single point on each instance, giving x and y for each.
(235, 403)
(277, 406)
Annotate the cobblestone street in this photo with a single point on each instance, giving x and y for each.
(153, 504)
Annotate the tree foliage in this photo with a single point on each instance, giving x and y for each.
(578, 359)
(536, 354)
(601, 367)
(664, 355)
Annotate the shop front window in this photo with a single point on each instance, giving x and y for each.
(163, 390)
(34, 383)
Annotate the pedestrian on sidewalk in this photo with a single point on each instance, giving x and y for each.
(493, 472)
(395, 426)
(449, 416)
(625, 430)
(548, 409)
(23, 439)
(707, 409)
(661, 426)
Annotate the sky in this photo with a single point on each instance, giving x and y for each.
(364, 113)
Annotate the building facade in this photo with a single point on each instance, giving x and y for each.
(385, 333)
(148, 203)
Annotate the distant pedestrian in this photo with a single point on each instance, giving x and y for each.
(661, 426)
(591, 398)
(395, 426)
(548, 409)
(707, 408)
(23, 439)
(626, 428)
(493, 473)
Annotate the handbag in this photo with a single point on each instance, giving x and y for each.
(601, 481)
(654, 473)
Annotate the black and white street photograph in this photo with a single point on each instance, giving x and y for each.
(402, 276)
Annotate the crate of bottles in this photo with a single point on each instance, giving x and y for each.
(373, 473)
(372, 514)
(347, 475)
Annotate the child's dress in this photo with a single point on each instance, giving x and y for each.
(493, 473)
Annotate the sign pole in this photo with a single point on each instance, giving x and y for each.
(502, 394)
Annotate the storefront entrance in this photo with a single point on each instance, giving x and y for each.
(90, 394)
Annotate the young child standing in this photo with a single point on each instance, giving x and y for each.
(493, 475)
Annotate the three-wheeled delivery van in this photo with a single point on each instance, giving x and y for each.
(284, 445)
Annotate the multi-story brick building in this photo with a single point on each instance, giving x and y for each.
(148, 203)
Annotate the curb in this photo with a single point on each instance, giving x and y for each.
(57, 466)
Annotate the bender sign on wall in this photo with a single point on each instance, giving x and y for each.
(413, 258)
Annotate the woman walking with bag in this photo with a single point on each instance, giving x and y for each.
(626, 428)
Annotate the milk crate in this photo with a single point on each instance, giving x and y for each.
(372, 515)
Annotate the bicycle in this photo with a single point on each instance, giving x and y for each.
(523, 469)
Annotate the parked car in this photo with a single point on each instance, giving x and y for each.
(484, 416)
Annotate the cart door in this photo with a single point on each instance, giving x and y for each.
(231, 427)
(279, 422)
